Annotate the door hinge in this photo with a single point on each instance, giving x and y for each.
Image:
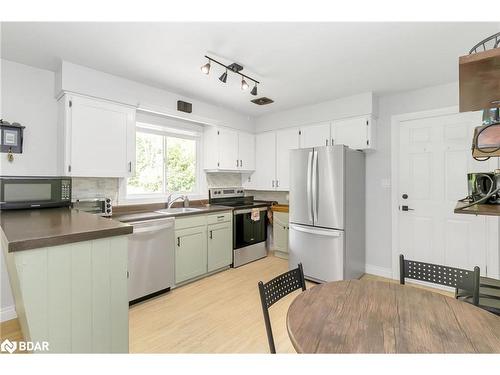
(70, 103)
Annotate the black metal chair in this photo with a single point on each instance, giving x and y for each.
(489, 294)
(457, 278)
(274, 290)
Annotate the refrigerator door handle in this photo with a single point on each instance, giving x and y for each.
(318, 231)
(309, 181)
(315, 186)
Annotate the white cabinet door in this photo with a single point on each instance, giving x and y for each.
(315, 135)
(227, 145)
(101, 138)
(265, 160)
(286, 140)
(354, 132)
(246, 151)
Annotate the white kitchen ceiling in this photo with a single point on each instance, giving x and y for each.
(298, 63)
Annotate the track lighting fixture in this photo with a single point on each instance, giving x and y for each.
(223, 77)
(233, 68)
(254, 90)
(206, 68)
(244, 84)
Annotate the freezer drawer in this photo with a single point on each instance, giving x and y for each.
(321, 252)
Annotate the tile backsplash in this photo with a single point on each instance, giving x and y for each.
(95, 187)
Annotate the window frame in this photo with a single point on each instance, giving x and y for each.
(175, 133)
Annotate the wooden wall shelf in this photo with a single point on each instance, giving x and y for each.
(478, 209)
(479, 80)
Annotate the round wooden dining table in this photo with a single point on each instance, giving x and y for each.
(357, 316)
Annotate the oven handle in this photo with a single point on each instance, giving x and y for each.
(249, 210)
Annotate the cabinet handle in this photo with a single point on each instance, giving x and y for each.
(277, 183)
(130, 166)
(327, 142)
(178, 241)
(273, 183)
(237, 163)
(333, 141)
(211, 236)
(241, 163)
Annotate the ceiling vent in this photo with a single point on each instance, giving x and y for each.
(262, 101)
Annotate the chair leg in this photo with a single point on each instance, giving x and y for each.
(267, 320)
(401, 269)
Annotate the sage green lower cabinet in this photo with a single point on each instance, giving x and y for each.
(280, 234)
(203, 244)
(190, 253)
(220, 249)
(73, 296)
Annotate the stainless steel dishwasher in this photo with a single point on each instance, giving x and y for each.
(151, 261)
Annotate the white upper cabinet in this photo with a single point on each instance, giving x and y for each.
(246, 151)
(358, 132)
(265, 158)
(272, 152)
(98, 137)
(315, 135)
(228, 149)
(286, 140)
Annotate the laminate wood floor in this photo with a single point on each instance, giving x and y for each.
(217, 314)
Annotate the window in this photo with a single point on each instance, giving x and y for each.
(166, 161)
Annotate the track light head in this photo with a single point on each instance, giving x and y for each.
(254, 90)
(205, 69)
(244, 84)
(223, 77)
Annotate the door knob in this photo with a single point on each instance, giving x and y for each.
(406, 208)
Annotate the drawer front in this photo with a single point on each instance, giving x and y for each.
(219, 217)
(190, 221)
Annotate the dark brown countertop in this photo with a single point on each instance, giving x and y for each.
(31, 229)
(149, 215)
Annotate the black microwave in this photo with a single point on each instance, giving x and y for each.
(34, 192)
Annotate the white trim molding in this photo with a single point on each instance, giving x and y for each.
(8, 313)
(378, 271)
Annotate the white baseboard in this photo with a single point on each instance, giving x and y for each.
(7, 313)
(378, 271)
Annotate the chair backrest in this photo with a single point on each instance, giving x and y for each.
(442, 275)
(274, 290)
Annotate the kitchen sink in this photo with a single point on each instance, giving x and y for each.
(178, 210)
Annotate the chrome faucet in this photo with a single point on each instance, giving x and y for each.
(171, 201)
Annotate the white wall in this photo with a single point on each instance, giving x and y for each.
(378, 167)
(91, 82)
(351, 106)
(28, 98)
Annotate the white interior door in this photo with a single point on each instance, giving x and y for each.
(434, 159)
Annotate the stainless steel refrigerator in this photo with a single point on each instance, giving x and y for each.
(327, 212)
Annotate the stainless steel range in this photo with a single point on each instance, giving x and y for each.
(249, 223)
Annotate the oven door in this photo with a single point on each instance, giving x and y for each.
(248, 231)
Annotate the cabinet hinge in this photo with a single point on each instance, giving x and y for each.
(70, 103)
